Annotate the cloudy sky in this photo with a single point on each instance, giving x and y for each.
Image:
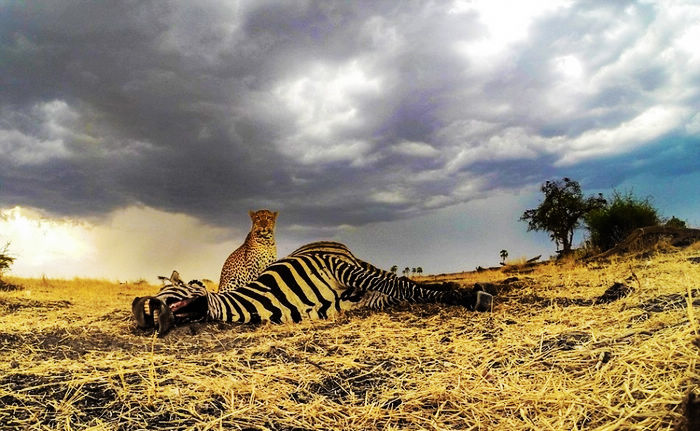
(136, 135)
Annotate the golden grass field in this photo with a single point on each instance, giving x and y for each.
(71, 357)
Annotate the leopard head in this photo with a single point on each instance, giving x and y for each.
(263, 223)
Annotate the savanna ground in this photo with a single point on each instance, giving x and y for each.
(555, 354)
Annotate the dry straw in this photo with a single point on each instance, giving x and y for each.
(545, 359)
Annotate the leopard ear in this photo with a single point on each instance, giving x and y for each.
(274, 215)
(251, 213)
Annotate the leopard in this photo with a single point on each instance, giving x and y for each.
(256, 253)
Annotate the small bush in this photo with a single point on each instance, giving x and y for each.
(5, 259)
(676, 222)
(611, 224)
(8, 287)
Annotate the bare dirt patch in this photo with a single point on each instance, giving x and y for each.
(10, 305)
(671, 301)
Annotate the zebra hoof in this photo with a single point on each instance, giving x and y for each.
(150, 312)
(484, 301)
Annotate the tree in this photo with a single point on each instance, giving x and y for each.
(504, 255)
(413, 271)
(406, 271)
(394, 269)
(613, 222)
(419, 270)
(561, 211)
(5, 259)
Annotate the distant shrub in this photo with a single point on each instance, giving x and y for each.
(8, 287)
(676, 222)
(612, 223)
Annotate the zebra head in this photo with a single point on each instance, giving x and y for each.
(151, 312)
(176, 302)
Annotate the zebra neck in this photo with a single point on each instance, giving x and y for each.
(224, 307)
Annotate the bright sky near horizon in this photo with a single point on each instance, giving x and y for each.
(134, 137)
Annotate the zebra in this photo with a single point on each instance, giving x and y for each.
(315, 281)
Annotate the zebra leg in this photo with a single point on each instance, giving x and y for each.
(368, 277)
(477, 299)
(376, 300)
(482, 301)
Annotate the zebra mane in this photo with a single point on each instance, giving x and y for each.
(175, 280)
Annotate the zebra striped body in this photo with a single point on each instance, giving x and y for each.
(314, 282)
(362, 298)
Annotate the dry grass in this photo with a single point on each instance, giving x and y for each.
(522, 260)
(71, 358)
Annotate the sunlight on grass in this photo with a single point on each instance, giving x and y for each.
(548, 357)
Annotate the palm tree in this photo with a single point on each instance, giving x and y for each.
(504, 255)
(406, 271)
(394, 269)
(419, 270)
(413, 271)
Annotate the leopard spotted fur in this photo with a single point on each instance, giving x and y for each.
(257, 252)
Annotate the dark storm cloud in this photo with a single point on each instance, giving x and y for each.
(335, 113)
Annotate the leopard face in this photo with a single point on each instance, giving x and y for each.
(263, 223)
